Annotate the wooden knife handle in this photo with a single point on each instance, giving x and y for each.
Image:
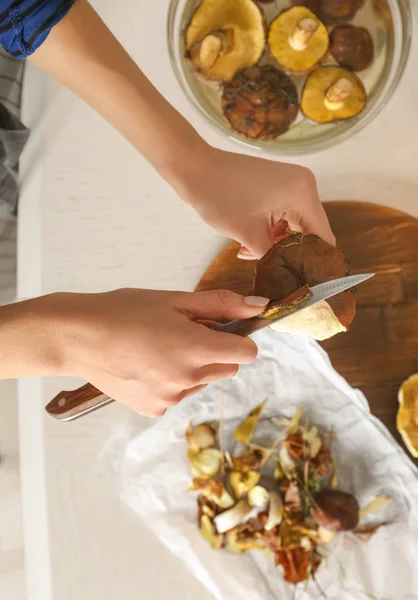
(242, 327)
(68, 406)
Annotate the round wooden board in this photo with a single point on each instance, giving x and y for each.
(381, 348)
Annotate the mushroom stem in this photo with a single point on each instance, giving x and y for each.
(302, 34)
(209, 50)
(214, 45)
(337, 93)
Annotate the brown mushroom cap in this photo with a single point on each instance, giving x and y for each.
(336, 11)
(336, 510)
(298, 40)
(300, 260)
(260, 102)
(225, 36)
(332, 94)
(352, 47)
(332, 11)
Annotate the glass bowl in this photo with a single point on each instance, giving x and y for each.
(389, 22)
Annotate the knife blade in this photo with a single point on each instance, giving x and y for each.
(70, 405)
(320, 292)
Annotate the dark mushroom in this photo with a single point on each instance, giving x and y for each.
(336, 510)
(260, 102)
(352, 47)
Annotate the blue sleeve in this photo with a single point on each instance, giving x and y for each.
(25, 24)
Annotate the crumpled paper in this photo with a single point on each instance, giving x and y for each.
(153, 475)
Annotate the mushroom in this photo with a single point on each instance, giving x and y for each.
(336, 510)
(260, 102)
(332, 94)
(225, 36)
(300, 260)
(202, 436)
(298, 40)
(352, 47)
(407, 419)
(332, 11)
(336, 11)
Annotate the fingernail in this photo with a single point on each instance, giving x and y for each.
(256, 301)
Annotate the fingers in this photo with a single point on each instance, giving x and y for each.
(257, 244)
(216, 372)
(224, 348)
(202, 376)
(185, 394)
(309, 215)
(218, 304)
(319, 224)
(316, 223)
(207, 374)
(279, 230)
(246, 254)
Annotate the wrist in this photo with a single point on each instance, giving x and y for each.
(31, 343)
(186, 166)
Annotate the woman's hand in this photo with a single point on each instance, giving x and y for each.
(248, 199)
(254, 200)
(142, 348)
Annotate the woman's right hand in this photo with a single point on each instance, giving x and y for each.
(142, 348)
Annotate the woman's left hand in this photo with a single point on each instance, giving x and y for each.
(254, 200)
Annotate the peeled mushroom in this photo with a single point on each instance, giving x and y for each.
(225, 36)
(298, 40)
(300, 260)
(332, 94)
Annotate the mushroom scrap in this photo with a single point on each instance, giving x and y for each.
(280, 499)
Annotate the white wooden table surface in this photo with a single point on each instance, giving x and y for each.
(95, 216)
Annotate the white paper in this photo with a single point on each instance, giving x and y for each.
(153, 476)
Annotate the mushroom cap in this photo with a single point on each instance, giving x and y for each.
(300, 260)
(314, 103)
(352, 47)
(260, 102)
(298, 40)
(225, 36)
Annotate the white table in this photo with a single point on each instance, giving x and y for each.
(95, 216)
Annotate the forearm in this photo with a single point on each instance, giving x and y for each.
(83, 54)
(29, 344)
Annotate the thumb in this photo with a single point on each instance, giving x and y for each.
(313, 222)
(218, 304)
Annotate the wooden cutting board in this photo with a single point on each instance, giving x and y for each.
(381, 348)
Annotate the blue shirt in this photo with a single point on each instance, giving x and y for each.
(25, 24)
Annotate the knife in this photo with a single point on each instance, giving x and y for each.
(70, 405)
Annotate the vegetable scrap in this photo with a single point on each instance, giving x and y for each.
(284, 499)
